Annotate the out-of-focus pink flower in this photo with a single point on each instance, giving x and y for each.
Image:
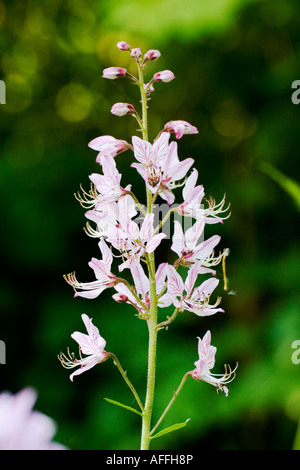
(180, 128)
(123, 46)
(164, 76)
(108, 145)
(185, 245)
(206, 362)
(195, 299)
(152, 54)
(91, 344)
(102, 270)
(114, 72)
(21, 428)
(121, 109)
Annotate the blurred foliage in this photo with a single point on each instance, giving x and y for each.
(286, 183)
(234, 63)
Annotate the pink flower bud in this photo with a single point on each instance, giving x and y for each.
(136, 53)
(164, 76)
(180, 128)
(121, 109)
(152, 55)
(149, 88)
(114, 72)
(120, 298)
(123, 46)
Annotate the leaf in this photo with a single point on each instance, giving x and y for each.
(287, 184)
(172, 428)
(123, 406)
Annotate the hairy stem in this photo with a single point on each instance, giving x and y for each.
(124, 375)
(152, 321)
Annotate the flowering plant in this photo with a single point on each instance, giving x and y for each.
(116, 212)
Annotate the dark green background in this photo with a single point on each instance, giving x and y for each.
(234, 63)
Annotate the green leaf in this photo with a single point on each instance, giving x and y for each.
(123, 406)
(172, 428)
(287, 184)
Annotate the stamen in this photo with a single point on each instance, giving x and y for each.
(88, 199)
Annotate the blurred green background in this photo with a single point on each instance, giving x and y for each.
(234, 62)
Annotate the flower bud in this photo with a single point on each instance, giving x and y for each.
(136, 53)
(120, 298)
(123, 46)
(114, 72)
(164, 76)
(149, 87)
(121, 109)
(180, 128)
(152, 54)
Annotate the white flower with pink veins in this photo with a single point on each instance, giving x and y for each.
(92, 345)
(134, 242)
(159, 165)
(103, 274)
(185, 245)
(206, 362)
(185, 296)
(192, 205)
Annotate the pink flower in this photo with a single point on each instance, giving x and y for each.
(152, 159)
(121, 109)
(172, 171)
(195, 299)
(134, 242)
(206, 362)
(108, 145)
(142, 288)
(185, 245)
(108, 184)
(21, 428)
(102, 270)
(91, 344)
(159, 165)
(164, 76)
(123, 46)
(109, 217)
(192, 203)
(180, 128)
(114, 72)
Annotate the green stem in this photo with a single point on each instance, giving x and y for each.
(163, 221)
(135, 295)
(124, 375)
(172, 401)
(144, 103)
(130, 193)
(152, 321)
(168, 321)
